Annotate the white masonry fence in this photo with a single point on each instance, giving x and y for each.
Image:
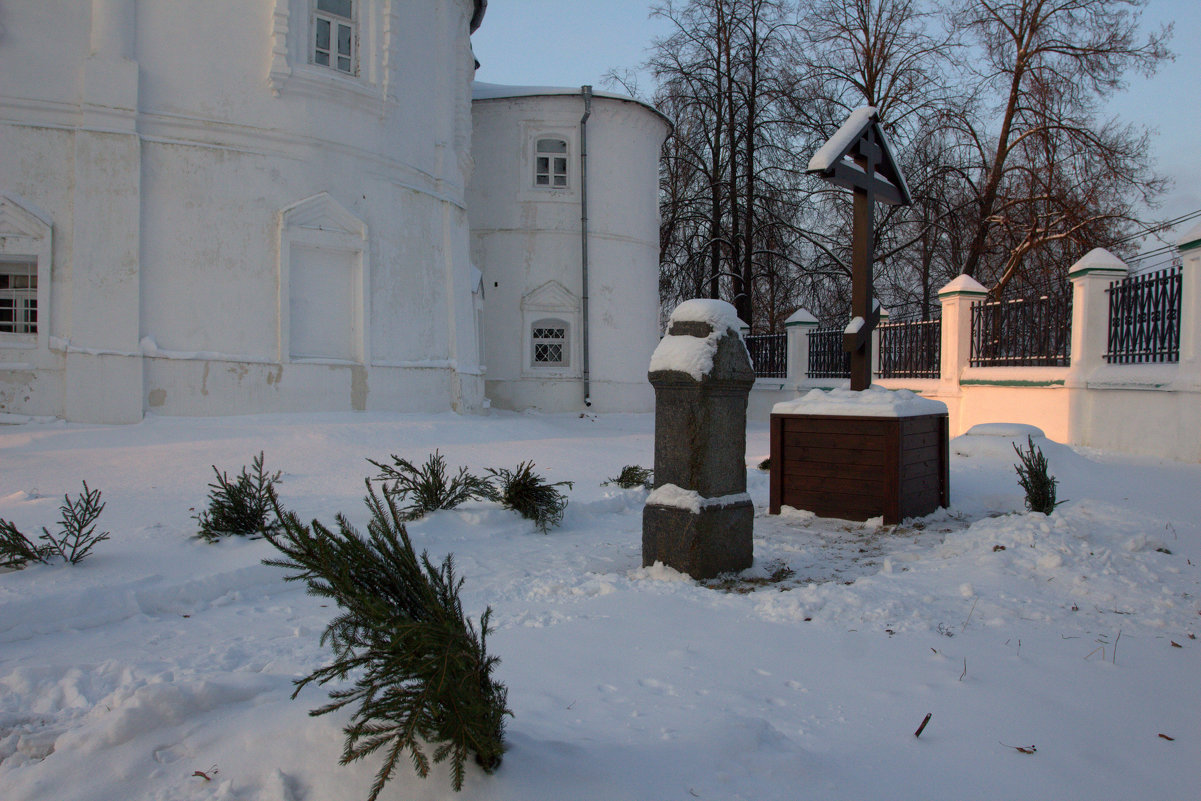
(1131, 385)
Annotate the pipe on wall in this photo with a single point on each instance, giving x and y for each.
(586, 93)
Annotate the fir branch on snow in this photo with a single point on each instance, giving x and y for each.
(428, 488)
(526, 492)
(244, 507)
(75, 539)
(420, 670)
(16, 550)
(77, 527)
(1034, 479)
(632, 476)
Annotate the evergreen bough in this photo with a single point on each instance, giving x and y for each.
(76, 537)
(1034, 479)
(16, 550)
(244, 507)
(421, 671)
(632, 476)
(428, 488)
(526, 492)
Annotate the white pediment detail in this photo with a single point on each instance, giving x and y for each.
(551, 296)
(322, 213)
(19, 218)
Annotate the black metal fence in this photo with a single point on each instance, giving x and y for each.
(769, 354)
(1144, 318)
(910, 349)
(827, 359)
(1022, 333)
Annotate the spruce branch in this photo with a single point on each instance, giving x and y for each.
(16, 550)
(420, 671)
(77, 527)
(632, 476)
(243, 507)
(428, 488)
(1034, 479)
(527, 493)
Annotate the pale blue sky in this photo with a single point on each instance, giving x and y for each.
(575, 42)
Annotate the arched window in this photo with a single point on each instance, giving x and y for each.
(550, 163)
(549, 343)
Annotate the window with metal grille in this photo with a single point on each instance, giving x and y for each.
(550, 163)
(18, 296)
(548, 339)
(334, 35)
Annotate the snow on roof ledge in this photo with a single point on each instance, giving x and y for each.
(481, 90)
(870, 402)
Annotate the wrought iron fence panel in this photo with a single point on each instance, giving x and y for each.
(1034, 332)
(1144, 318)
(827, 359)
(769, 354)
(910, 349)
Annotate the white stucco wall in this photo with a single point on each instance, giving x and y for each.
(527, 242)
(166, 142)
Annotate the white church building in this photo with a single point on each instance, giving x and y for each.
(213, 207)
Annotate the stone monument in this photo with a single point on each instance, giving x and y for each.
(698, 519)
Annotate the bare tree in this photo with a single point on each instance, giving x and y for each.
(719, 74)
(1043, 167)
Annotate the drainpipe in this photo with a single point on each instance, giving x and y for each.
(586, 91)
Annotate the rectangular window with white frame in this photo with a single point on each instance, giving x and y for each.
(335, 35)
(18, 296)
(550, 163)
(549, 344)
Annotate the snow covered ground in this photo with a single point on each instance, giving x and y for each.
(161, 667)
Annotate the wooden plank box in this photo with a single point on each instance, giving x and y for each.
(857, 468)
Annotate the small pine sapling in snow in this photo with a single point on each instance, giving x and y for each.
(524, 491)
(427, 488)
(421, 671)
(632, 476)
(1034, 479)
(244, 507)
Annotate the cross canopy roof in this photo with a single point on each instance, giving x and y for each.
(861, 139)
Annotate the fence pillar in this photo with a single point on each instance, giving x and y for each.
(876, 341)
(797, 328)
(1189, 247)
(956, 299)
(1090, 277)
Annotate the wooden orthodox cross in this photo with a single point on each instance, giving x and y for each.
(858, 157)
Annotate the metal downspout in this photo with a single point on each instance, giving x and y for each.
(586, 91)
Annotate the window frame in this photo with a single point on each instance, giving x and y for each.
(551, 173)
(19, 302)
(562, 342)
(333, 54)
(27, 235)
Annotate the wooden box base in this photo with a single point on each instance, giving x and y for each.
(857, 468)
